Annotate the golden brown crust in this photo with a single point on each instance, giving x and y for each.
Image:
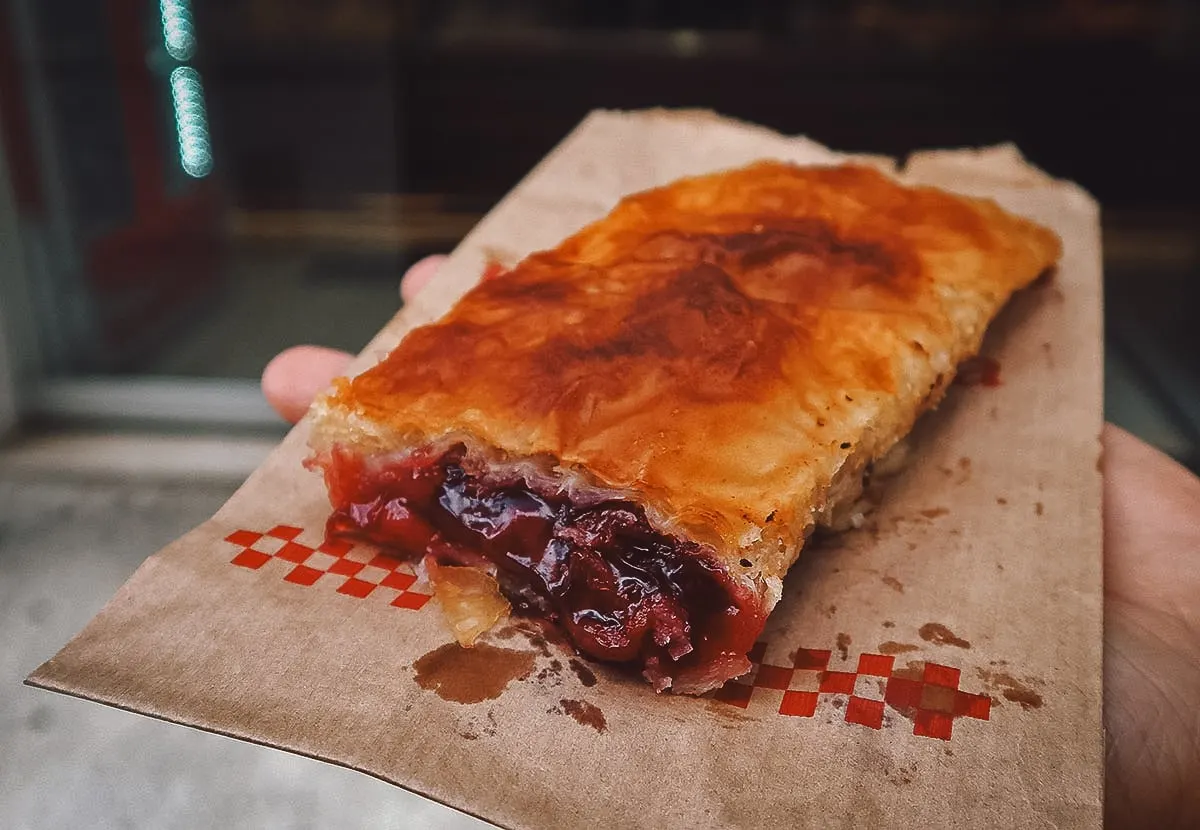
(722, 349)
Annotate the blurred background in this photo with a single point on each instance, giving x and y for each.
(196, 185)
(187, 188)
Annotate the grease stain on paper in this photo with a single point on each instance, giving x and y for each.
(1028, 698)
(586, 676)
(843, 645)
(940, 635)
(478, 727)
(499, 257)
(900, 775)
(959, 474)
(584, 713)
(471, 675)
(980, 370)
(728, 713)
(539, 642)
(537, 634)
(892, 647)
(551, 674)
(1011, 689)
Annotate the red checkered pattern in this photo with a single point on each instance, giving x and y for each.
(359, 572)
(932, 702)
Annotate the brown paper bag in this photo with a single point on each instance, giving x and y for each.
(938, 667)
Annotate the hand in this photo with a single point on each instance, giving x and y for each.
(296, 376)
(1151, 636)
(1151, 602)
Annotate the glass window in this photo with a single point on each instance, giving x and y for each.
(200, 184)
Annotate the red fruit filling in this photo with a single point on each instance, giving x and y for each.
(621, 591)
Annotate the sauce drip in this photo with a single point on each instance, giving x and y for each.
(940, 635)
(585, 714)
(471, 675)
(620, 590)
(978, 371)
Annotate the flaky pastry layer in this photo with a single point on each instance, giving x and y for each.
(729, 351)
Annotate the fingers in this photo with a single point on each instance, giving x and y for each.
(1151, 581)
(1151, 524)
(419, 275)
(296, 376)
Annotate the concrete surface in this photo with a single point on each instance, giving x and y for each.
(65, 547)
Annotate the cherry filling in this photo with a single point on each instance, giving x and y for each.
(622, 591)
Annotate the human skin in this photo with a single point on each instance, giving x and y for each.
(1151, 602)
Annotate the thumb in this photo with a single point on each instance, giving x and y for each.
(420, 275)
